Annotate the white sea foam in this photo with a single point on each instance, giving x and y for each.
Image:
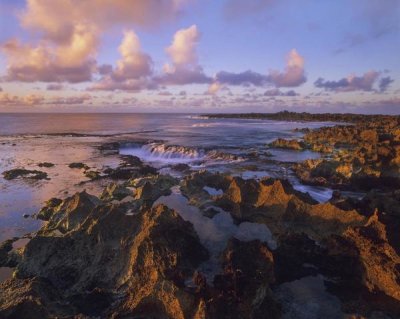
(162, 153)
(213, 191)
(158, 152)
(320, 194)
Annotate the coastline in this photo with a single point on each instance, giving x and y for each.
(168, 240)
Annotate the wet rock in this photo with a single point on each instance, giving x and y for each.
(288, 144)
(46, 164)
(151, 188)
(24, 173)
(181, 167)
(131, 160)
(49, 209)
(78, 165)
(126, 172)
(5, 248)
(92, 175)
(115, 191)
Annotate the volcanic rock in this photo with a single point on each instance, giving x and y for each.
(24, 173)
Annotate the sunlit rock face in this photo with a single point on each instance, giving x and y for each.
(363, 156)
(96, 254)
(209, 246)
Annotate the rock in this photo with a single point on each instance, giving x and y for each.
(78, 165)
(364, 155)
(92, 175)
(24, 173)
(70, 213)
(151, 188)
(46, 164)
(27, 299)
(108, 265)
(242, 289)
(25, 215)
(288, 144)
(368, 268)
(49, 209)
(320, 220)
(5, 248)
(115, 191)
(181, 167)
(126, 172)
(131, 160)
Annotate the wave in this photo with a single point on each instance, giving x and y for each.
(198, 117)
(169, 154)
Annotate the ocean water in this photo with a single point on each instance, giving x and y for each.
(238, 146)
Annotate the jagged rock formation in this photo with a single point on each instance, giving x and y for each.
(288, 144)
(364, 156)
(121, 256)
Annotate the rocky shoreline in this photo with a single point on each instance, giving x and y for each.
(213, 245)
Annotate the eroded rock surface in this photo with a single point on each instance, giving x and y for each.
(124, 256)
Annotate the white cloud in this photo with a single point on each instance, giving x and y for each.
(133, 70)
(185, 68)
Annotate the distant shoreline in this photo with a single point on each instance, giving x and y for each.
(305, 117)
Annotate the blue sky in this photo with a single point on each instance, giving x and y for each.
(192, 55)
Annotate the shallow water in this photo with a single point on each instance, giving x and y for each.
(165, 139)
(307, 298)
(215, 232)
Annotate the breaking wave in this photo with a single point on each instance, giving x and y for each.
(159, 152)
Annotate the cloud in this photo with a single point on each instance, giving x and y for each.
(70, 32)
(73, 61)
(164, 93)
(182, 51)
(277, 92)
(245, 78)
(384, 83)
(7, 100)
(132, 71)
(294, 72)
(57, 19)
(183, 76)
(214, 88)
(351, 83)
(13, 100)
(292, 76)
(70, 100)
(134, 63)
(54, 87)
(134, 85)
(185, 68)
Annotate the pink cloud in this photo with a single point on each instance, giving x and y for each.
(293, 75)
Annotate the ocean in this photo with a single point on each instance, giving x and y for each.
(237, 146)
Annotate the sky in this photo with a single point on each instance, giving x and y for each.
(200, 56)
